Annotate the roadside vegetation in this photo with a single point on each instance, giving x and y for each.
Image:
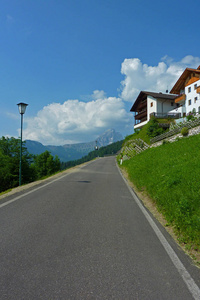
(150, 130)
(35, 167)
(169, 175)
(111, 149)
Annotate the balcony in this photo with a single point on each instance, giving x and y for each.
(198, 89)
(180, 98)
(142, 105)
(141, 115)
(140, 124)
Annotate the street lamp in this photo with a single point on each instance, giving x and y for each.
(22, 109)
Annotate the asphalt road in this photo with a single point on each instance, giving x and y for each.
(85, 235)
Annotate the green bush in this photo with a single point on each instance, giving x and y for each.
(190, 117)
(153, 128)
(165, 142)
(184, 131)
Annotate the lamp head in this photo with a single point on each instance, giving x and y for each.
(22, 108)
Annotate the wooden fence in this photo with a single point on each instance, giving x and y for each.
(133, 147)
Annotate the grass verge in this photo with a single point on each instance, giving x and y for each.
(169, 175)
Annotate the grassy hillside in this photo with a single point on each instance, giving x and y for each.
(145, 134)
(170, 174)
(142, 134)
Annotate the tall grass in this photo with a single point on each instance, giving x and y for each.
(170, 174)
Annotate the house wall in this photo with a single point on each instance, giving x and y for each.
(151, 106)
(191, 96)
(166, 106)
(159, 106)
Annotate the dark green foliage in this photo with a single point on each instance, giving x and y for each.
(153, 128)
(33, 167)
(6, 178)
(137, 131)
(165, 142)
(184, 131)
(45, 164)
(107, 150)
(9, 163)
(190, 116)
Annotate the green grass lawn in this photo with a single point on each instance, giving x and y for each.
(170, 174)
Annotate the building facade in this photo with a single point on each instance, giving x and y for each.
(188, 89)
(150, 103)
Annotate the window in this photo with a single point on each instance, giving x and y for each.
(189, 102)
(195, 99)
(189, 89)
(151, 104)
(195, 86)
(172, 103)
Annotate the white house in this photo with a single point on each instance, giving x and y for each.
(187, 88)
(150, 103)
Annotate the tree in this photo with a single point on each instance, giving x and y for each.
(6, 177)
(153, 128)
(45, 164)
(9, 163)
(33, 167)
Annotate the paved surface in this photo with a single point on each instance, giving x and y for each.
(83, 236)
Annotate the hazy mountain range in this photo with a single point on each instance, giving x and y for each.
(75, 151)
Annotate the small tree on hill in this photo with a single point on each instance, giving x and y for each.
(153, 128)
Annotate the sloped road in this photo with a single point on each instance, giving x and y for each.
(86, 236)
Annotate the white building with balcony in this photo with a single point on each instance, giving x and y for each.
(150, 103)
(188, 89)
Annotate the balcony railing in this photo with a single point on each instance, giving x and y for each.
(141, 114)
(140, 121)
(166, 115)
(142, 105)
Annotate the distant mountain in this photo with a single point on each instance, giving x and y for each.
(74, 151)
(108, 137)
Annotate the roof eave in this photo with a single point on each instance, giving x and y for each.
(152, 94)
(181, 81)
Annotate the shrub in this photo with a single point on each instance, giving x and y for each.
(165, 142)
(194, 111)
(153, 128)
(136, 131)
(190, 117)
(184, 131)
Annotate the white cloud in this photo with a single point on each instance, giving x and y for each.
(139, 76)
(76, 121)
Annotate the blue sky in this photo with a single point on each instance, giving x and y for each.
(80, 64)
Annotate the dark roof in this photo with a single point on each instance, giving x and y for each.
(142, 95)
(180, 84)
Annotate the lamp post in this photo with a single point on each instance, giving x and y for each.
(22, 109)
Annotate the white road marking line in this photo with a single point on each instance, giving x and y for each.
(192, 286)
(40, 187)
(32, 191)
